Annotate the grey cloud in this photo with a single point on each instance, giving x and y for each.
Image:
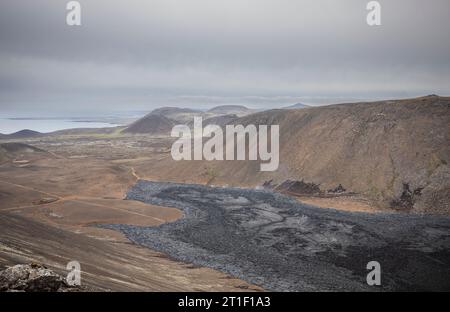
(261, 52)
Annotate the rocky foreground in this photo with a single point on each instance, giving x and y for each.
(34, 278)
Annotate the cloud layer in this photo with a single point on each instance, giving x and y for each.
(140, 54)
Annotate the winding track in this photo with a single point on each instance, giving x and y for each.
(273, 241)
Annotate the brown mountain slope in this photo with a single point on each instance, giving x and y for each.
(105, 265)
(23, 134)
(20, 152)
(151, 124)
(396, 153)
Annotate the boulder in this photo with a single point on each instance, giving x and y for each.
(32, 278)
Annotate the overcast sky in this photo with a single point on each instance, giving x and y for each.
(137, 55)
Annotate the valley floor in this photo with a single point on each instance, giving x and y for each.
(55, 205)
(50, 203)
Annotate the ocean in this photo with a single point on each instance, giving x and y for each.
(11, 125)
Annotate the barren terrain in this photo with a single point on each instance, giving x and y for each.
(51, 202)
(394, 153)
(273, 241)
(59, 192)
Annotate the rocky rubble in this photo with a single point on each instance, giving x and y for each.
(276, 242)
(33, 278)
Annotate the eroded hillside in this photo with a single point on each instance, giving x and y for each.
(396, 153)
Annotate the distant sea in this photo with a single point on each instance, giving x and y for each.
(11, 125)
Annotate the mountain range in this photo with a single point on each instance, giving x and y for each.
(395, 152)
